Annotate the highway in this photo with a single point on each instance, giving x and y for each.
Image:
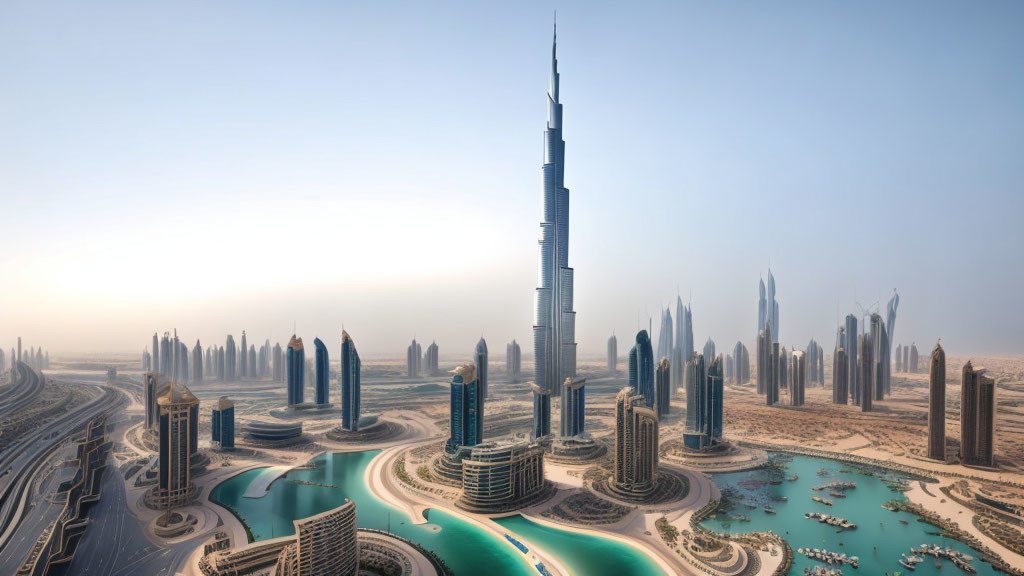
(25, 459)
(23, 391)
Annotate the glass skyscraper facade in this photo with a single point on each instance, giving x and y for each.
(323, 372)
(554, 328)
(222, 423)
(295, 366)
(466, 415)
(350, 371)
(573, 407)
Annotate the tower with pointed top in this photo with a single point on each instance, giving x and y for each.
(554, 327)
(351, 368)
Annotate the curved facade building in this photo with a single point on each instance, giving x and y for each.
(295, 367)
(641, 367)
(466, 414)
(636, 446)
(480, 358)
(351, 367)
(554, 326)
(497, 477)
(273, 431)
(325, 545)
(937, 405)
(323, 372)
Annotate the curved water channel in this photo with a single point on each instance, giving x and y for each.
(465, 547)
(879, 540)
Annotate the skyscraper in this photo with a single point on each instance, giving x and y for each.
(243, 367)
(220, 364)
(665, 343)
(636, 446)
(866, 373)
(513, 359)
(937, 404)
(230, 359)
(906, 358)
(466, 414)
(710, 353)
(156, 354)
(326, 544)
(413, 359)
(323, 372)
(737, 355)
(840, 373)
(913, 358)
(762, 306)
(642, 377)
(662, 388)
(613, 354)
(147, 361)
(878, 352)
(573, 407)
(223, 424)
(683, 351)
(773, 307)
(252, 361)
(899, 358)
(278, 361)
(696, 389)
(179, 438)
(295, 360)
(150, 392)
(351, 368)
(977, 417)
(480, 359)
(541, 412)
(430, 358)
(197, 362)
(890, 330)
(797, 378)
(554, 327)
(851, 346)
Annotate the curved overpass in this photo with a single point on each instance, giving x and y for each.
(23, 391)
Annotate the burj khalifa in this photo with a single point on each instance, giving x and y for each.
(554, 329)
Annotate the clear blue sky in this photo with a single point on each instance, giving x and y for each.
(243, 165)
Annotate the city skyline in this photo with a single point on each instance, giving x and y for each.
(208, 171)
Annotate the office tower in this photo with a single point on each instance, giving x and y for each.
(811, 358)
(913, 358)
(230, 359)
(513, 359)
(573, 407)
(729, 368)
(899, 358)
(641, 367)
(466, 415)
(326, 544)
(775, 372)
(840, 373)
(554, 327)
(430, 359)
(683, 351)
(662, 388)
(295, 367)
(210, 365)
(636, 446)
(783, 369)
(762, 362)
(252, 361)
(798, 378)
(501, 476)
(762, 306)
(709, 350)
(166, 361)
(197, 362)
(866, 373)
(351, 369)
(223, 423)
(665, 343)
(413, 359)
(977, 417)
(243, 367)
(221, 374)
(768, 366)
(773, 307)
(744, 364)
(157, 358)
(541, 412)
(821, 366)
(278, 361)
(906, 358)
(695, 390)
(613, 354)
(480, 359)
(936, 404)
(322, 391)
(150, 392)
(265, 361)
(310, 375)
(714, 401)
(179, 434)
(890, 328)
(877, 350)
(851, 357)
(883, 364)
(146, 361)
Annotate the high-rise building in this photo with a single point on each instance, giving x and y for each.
(221, 363)
(768, 368)
(252, 361)
(351, 368)
(573, 407)
(230, 359)
(554, 326)
(899, 358)
(797, 378)
(636, 446)
(663, 388)
(413, 359)
(729, 367)
(866, 373)
(243, 366)
(541, 412)
(197, 362)
(851, 346)
(704, 413)
(466, 409)
(278, 363)
(179, 439)
(665, 342)
(323, 372)
(641, 368)
(480, 359)
(977, 417)
(710, 353)
(913, 358)
(762, 306)
(155, 365)
(696, 389)
(906, 358)
(513, 359)
(744, 364)
(295, 361)
(501, 476)
(773, 307)
(151, 391)
(878, 348)
(326, 544)
(430, 359)
(683, 351)
(613, 354)
(890, 329)
(222, 424)
(936, 404)
(840, 370)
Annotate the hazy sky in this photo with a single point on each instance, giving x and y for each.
(219, 166)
